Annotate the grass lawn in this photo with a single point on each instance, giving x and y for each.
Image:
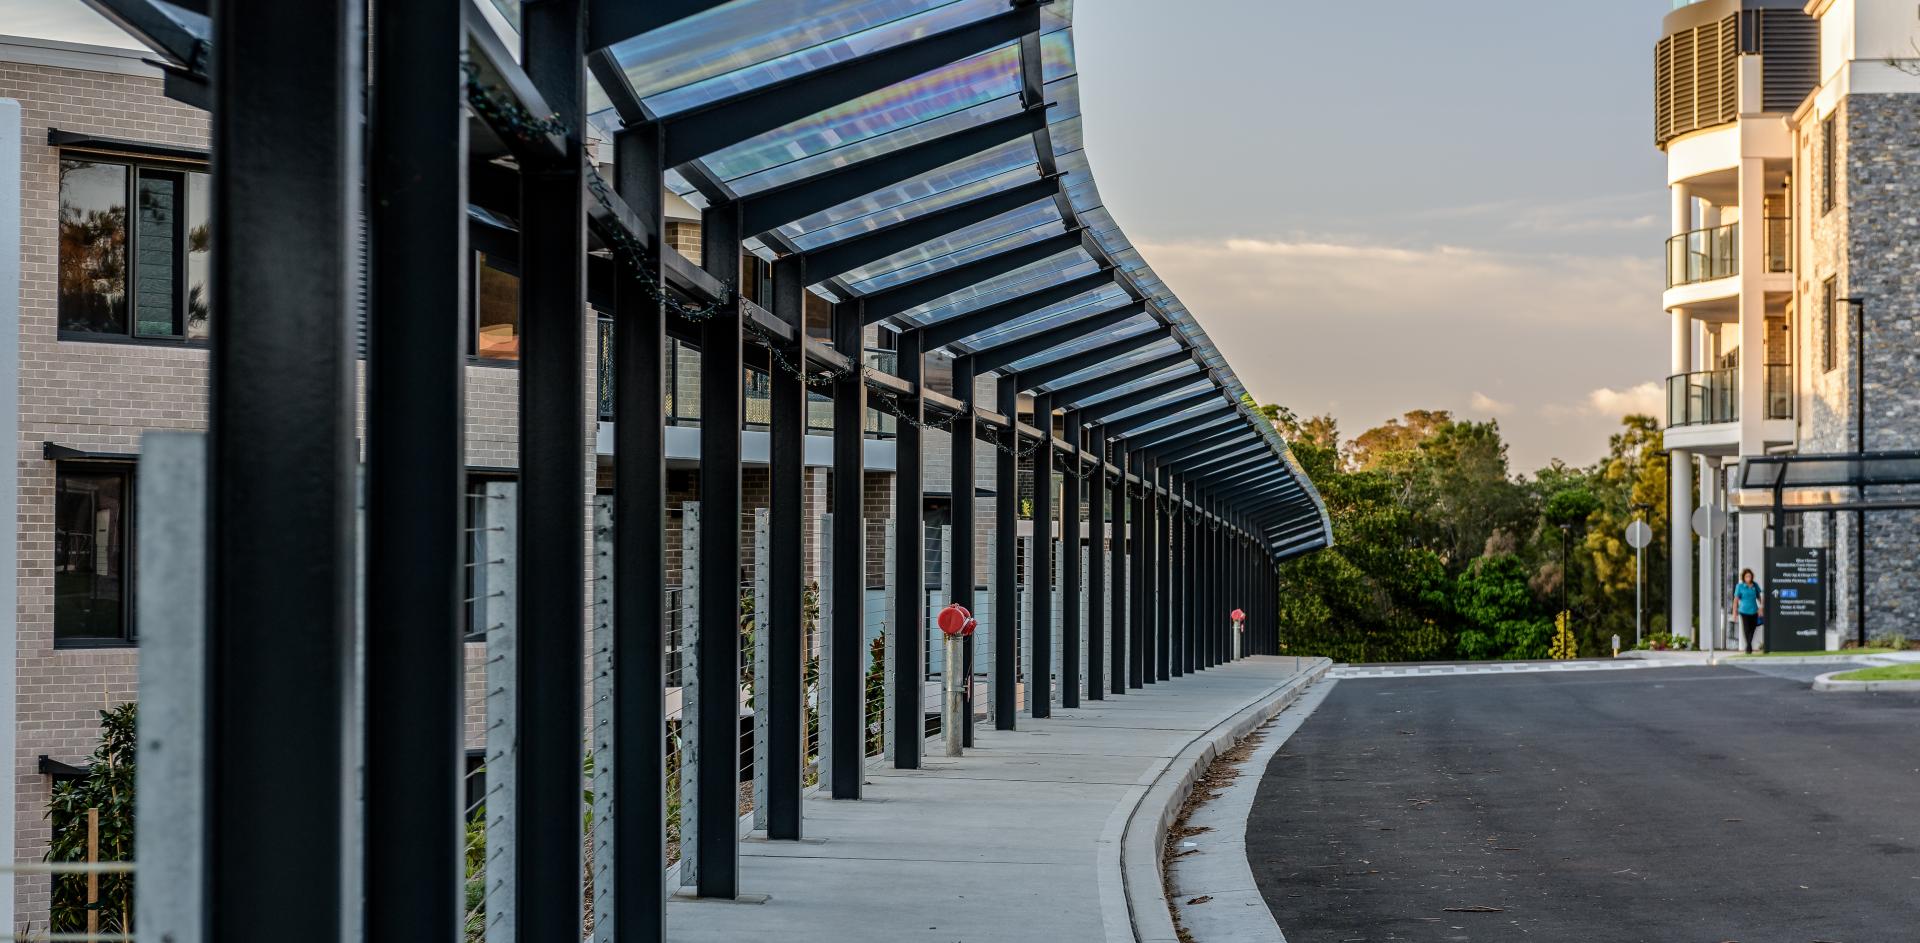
(1907, 672)
(1844, 651)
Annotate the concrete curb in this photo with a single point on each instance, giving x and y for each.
(1828, 683)
(1141, 826)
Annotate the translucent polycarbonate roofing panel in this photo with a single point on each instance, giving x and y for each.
(1135, 358)
(742, 46)
(1062, 267)
(1084, 305)
(984, 166)
(900, 212)
(1131, 327)
(1031, 223)
(1180, 418)
(1147, 382)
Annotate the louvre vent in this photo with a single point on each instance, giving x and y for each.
(1696, 82)
(1790, 42)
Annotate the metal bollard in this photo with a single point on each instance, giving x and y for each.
(956, 623)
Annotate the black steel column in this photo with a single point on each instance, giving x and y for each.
(1190, 586)
(961, 547)
(1070, 566)
(1097, 566)
(1139, 619)
(416, 469)
(1155, 635)
(1176, 569)
(640, 554)
(1164, 565)
(553, 488)
(1119, 657)
(1040, 567)
(722, 413)
(280, 492)
(909, 564)
(1006, 573)
(847, 733)
(786, 577)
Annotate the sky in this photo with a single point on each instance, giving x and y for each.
(1394, 205)
(1375, 207)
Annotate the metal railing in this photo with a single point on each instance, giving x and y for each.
(1703, 255)
(1712, 396)
(1709, 396)
(1706, 254)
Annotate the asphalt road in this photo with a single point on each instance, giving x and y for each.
(1668, 805)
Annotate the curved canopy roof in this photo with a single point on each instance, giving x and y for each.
(925, 159)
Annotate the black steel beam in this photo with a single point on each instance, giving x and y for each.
(640, 555)
(909, 623)
(717, 657)
(1123, 425)
(777, 206)
(999, 355)
(281, 489)
(786, 576)
(1040, 565)
(847, 732)
(1006, 574)
(838, 258)
(416, 469)
(613, 21)
(1079, 393)
(946, 331)
(1231, 460)
(1157, 392)
(1070, 588)
(961, 549)
(1067, 365)
(728, 121)
(906, 296)
(553, 254)
(1160, 441)
(1208, 449)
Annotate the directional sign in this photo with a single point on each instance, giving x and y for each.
(1797, 609)
(1639, 535)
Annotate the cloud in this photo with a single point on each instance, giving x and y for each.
(1646, 399)
(1482, 403)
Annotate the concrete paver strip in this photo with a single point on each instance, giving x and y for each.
(1014, 841)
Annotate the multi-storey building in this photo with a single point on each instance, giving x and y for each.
(1785, 127)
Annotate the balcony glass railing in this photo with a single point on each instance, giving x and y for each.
(1779, 247)
(1703, 255)
(1712, 396)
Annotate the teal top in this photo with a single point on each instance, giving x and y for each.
(1748, 595)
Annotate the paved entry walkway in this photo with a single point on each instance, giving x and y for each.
(1002, 844)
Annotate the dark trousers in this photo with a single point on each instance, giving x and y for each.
(1749, 631)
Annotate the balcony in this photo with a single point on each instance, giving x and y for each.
(1707, 254)
(1713, 396)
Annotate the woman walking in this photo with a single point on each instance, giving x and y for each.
(1746, 595)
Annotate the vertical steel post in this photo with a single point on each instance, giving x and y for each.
(847, 732)
(909, 627)
(286, 203)
(785, 633)
(1118, 655)
(1040, 567)
(640, 552)
(1137, 619)
(1164, 548)
(722, 413)
(1070, 589)
(1176, 567)
(416, 465)
(553, 479)
(1006, 561)
(965, 521)
(1097, 566)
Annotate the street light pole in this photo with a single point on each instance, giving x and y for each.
(1859, 306)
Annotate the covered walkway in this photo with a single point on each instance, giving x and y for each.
(895, 214)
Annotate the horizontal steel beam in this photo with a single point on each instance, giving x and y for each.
(999, 355)
(1067, 365)
(927, 289)
(614, 21)
(1125, 425)
(1138, 398)
(1152, 442)
(1079, 393)
(838, 258)
(980, 320)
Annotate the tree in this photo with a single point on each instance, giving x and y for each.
(107, 786)
(1397, 437)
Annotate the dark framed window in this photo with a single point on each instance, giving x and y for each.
(134, 250)
(496, 311)
(1829, 163)
(92, 555)
(1829, 324)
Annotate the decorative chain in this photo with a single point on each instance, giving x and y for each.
(634, 257)
(501, 112)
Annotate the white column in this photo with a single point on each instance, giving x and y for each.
(1753, 338)
(10, 481)
(1709, 554)
(1680, 469)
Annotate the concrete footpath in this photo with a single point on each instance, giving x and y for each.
(1018, 840)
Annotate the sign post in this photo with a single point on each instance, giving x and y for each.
(1797, 618)
(1639, 535)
